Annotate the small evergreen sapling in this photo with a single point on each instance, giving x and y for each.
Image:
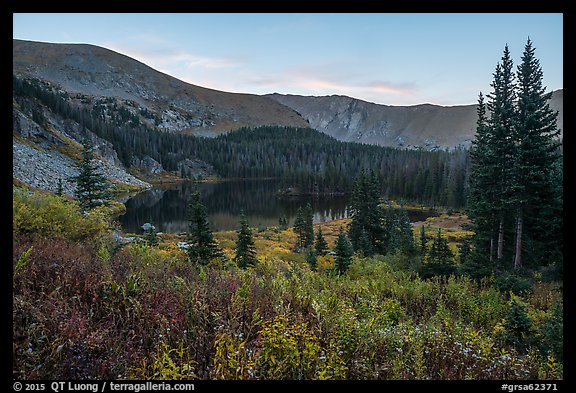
(343, 251)
(202, 246)
(245, 247)
(321, 246)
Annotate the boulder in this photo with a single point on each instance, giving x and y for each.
(148, 165)
(195, 168)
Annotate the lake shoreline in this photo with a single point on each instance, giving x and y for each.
(165, 204)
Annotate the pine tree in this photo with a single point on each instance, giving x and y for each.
(303, 227)
(364, 247)
(312, 259)
(491, 176)
(482, 194)
(423, 242)
(91, 186)
(440, 251)
(245, 247)
(375, 213)
(464, 250)
(502, 124)
(367, 216)
(308, 226)
(398, 235)
(321, 246)
(440, 259)
(515, 175)
(405, 235)
(536, 196)
(343, 250)
(150, 236)
(282, 223)
(518, 325)
(299, 228)
(202, 246)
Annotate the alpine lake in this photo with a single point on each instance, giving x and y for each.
(165, 206)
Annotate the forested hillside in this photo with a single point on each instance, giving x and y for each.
(304, 159)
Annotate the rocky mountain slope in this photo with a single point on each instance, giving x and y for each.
(45, 154)
(172, 104)
(420, 126)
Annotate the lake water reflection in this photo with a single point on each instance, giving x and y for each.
(166, 206)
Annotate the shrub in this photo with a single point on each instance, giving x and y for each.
(50, 216)
(552, 332)
(84, 309)
(508, 282)
(232, 358)
(291, 350)
(518, 325)
(167, 364)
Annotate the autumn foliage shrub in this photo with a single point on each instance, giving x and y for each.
(52, 216)
(86, 309)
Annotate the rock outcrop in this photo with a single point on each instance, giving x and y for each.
(195, 168)
(148, 165)
(43, 155)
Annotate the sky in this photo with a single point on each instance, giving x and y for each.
(391, 59)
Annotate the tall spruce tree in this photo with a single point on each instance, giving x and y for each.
(483, 186)
(536, 192)
(202, 246)
(91, 186)
(502, 125)
(398, 235)
(299, 225)
(364, 246)
(366, 228)
(308, 226)
(245, 247)
(491, 177)
(405, 235)
(282, 223)
(515, 175)
(303, 227)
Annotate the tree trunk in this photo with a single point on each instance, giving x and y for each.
(491, 248)
(518, 251)
(501, 238)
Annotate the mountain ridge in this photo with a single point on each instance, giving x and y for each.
(91, 71)
(184, 107)
(427, 126)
